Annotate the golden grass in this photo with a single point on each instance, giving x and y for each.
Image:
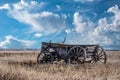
(29, 70)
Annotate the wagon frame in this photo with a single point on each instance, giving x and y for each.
(71, 53)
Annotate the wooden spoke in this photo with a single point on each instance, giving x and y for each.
(40, 57)
(74, 51)
(100, 55)
(77, 50)
(101, 58)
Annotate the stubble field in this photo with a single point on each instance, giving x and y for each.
(21, 65)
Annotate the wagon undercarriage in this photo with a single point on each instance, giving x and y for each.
(73, 54)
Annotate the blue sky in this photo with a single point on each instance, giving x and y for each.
(26, 23)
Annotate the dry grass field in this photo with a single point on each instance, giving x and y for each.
(16, 65)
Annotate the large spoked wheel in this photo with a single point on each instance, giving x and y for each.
(101, 55)
(76, 54)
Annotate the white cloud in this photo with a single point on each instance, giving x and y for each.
(81, 24)
(115, 24)
(47, 14)
(23, 5)
(58, 7)
(83, 1)
(64, 16)
(105, 31)
(5, 6)
(38, 35)
(109, 29)
(44, 22)
(67, 31)
(112, 25)
(12, 42)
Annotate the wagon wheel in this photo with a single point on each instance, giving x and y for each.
(76, 54)
(45, 58)
(101, 55)
(40, 58)
(50, 54)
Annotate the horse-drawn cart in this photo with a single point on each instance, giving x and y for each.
(71, 53)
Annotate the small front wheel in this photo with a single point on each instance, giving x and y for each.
(49, 58)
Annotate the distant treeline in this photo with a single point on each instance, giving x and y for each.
(28, 49)
(111, 50)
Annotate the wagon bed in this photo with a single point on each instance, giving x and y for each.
(58, 44)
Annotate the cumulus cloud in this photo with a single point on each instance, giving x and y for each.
(12, 42)
(80, 24)
(44, 22)
(106, 32)
(115, 24)
(111, 25)
(38, 35)
(108, 29)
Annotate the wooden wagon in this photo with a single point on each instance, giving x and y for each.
(71, 53)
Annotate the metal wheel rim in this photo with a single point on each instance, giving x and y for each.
(101, 55)
(76, 52)
(49, 58)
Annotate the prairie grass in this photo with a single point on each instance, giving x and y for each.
(29, 70)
